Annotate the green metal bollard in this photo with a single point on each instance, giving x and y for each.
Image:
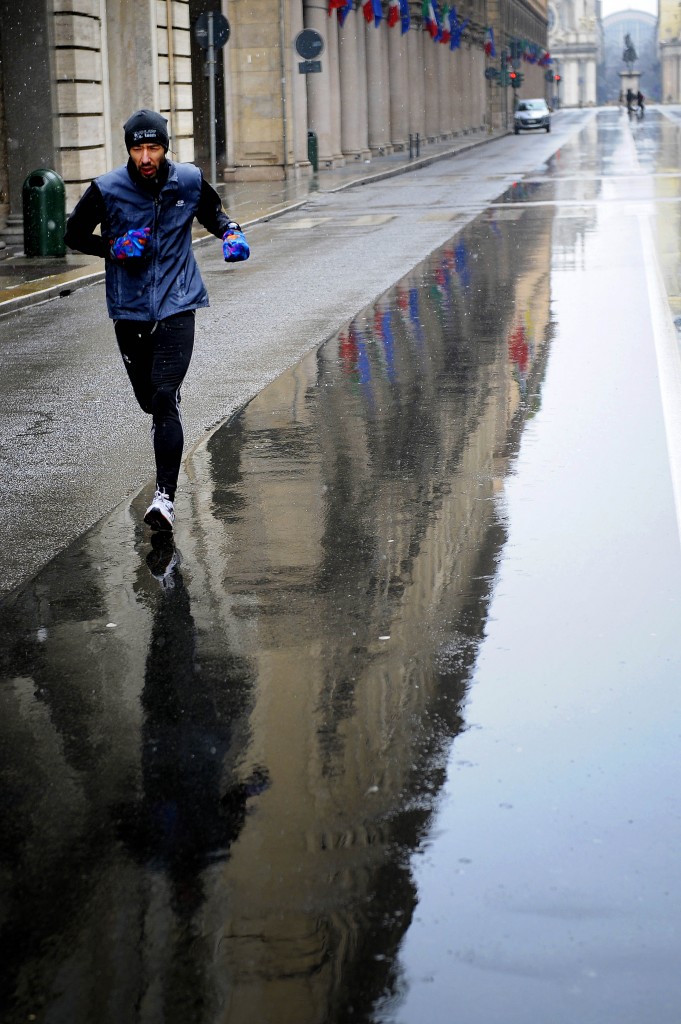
(313, 150)
(44, 202)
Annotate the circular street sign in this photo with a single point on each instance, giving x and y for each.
(491, 73)
(309, 44)
(220, 30)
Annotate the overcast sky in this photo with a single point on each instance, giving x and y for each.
(611, 6)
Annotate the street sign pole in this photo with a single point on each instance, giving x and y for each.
(211, 32)
(211, 98)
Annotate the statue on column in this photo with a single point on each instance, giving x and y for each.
(629, 56)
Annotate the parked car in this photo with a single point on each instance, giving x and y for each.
(531, 114)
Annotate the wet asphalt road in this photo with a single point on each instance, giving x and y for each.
(66, 412)
(392, 733)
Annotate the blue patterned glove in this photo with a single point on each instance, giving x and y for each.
(235, 248)
(130, 244)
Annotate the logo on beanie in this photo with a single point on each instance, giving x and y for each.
(145, 133)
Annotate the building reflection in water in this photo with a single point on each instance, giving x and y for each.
(218, 770)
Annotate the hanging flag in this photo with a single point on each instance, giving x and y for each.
(372, 11)
(490, 48)
(405, 16)
(456, 28)
(445, 32)
(343, 11)
(335, 4)
(393, 13)
(431, 19)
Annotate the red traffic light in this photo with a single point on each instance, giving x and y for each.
(557, 78)
(512, 74)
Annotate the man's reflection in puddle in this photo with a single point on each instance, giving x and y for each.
(190, 810)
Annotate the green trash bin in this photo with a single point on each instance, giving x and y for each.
(44, 202)
(313, 150)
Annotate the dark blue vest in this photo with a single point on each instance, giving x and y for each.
(166, 280)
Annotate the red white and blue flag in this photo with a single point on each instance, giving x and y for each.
(372, 12)
(490, 48)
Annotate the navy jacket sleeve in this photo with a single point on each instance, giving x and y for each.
(210, 212)
(80, 227)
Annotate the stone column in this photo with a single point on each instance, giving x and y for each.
(334, 76)
(417, 115)
(352, 92)
(456, 86)
(444, 62)
(400, 85)
(591, 83)
(432, 98)
(297, 87)
(320, 86)
(464, 54)
(378, 88)
(481, 85)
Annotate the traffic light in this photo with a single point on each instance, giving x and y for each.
(516, 79)
(556, 79)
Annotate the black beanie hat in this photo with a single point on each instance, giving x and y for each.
(146, 126)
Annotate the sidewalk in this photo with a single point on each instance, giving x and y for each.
(25, 281)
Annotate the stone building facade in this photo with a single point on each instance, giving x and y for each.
(71, 72)
(576, 44)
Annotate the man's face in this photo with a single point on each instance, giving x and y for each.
(148, 158)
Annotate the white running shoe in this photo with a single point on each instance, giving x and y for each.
(160, 515)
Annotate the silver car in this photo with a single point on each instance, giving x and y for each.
(531, 114)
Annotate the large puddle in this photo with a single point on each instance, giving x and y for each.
(218, 761)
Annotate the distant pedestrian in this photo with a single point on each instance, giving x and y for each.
(153, 286)
(630, 101)
(640, 100)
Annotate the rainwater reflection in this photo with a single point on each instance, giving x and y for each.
(218, 761)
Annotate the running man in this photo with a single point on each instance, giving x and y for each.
(153, 286)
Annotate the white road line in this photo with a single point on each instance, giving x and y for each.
(668, 357)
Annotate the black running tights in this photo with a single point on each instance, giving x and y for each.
(156, 356)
